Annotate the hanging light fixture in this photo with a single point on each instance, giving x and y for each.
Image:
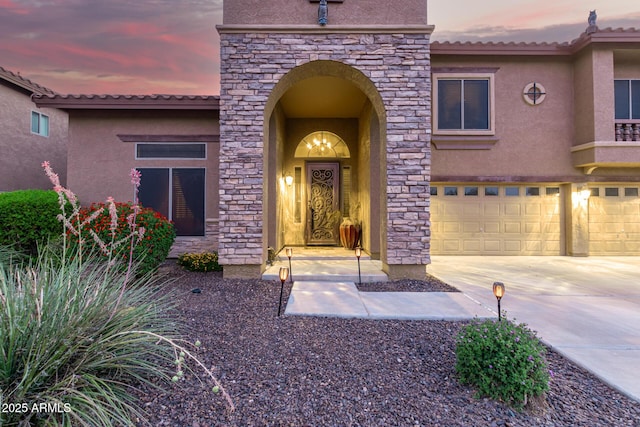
(319, 143)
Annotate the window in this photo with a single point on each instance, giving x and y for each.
(595, 192)
(512, 191)
(450, 191)
(433, 191)
(611, 192)
(39, 124)
(171, 151)
(177, 194)
(552, 191)
(465, 104)
(631, 192)
(490, 191)
(532, 191)
(470, 191)
(627, 99)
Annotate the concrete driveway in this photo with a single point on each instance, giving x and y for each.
(588, 309)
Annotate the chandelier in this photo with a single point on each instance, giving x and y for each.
(319, 143)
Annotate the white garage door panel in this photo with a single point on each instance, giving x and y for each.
(495, 225)
(614, 222)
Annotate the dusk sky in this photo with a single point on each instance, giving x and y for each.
(171, 46)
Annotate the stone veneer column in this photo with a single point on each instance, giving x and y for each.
(253, 60)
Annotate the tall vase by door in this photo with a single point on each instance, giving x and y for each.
(349, 234)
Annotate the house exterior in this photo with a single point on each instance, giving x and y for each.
(552, 166)
(172, 140)
(433, 148)
(28, 135)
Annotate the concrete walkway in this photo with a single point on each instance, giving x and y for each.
(342, 299)
(588, 309)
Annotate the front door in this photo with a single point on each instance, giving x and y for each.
(323, 216)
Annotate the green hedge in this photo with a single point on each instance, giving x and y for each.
(29, 218)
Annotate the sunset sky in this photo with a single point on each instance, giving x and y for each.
(171, 46)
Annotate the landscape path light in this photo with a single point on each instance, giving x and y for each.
(358, 255)
(284, 274)
(498, 291)
(289, 252)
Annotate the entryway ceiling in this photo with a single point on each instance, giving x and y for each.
(323, 97)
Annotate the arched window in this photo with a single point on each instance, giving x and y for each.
(322, 144)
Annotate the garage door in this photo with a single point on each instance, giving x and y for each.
(470, 219)
(614, 220)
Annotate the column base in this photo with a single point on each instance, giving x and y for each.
(405, 271)
(242, 271)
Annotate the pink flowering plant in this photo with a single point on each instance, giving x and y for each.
(503, 361)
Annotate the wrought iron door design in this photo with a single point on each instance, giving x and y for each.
(323, 216)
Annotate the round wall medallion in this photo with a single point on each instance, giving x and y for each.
(534, 93)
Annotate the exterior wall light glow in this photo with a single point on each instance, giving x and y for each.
(498, 291)
(288, 180)
(284, 275)
(289, 252)
(358, 255)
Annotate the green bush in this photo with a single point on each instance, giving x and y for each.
(29, 218)
(205, 261)
(148, 253)
(71, 339)
(502, 361)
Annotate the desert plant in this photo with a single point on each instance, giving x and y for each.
(28, 218)
(78, 333)
(203, 261)
(100, 234)
(503, 361)
(68, 340)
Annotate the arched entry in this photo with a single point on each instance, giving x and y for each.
(329, 97)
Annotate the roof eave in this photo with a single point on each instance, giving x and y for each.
(128, 102)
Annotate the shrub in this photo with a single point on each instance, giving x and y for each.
(70, 340)
(503, 361)
(29, 218)
(153, 248)
(205, 261)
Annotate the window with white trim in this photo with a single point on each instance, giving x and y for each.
(39, 123)
(178, 194)
(464, 104)
(627, 99)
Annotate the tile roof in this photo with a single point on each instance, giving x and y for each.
(606, 35)
(17, 80)
(124, 102)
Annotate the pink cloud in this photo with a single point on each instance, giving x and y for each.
(12, 7)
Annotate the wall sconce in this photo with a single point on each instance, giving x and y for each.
(284, 274)
(288, 180)
(498, 291)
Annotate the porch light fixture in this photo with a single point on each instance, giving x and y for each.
(498, 291)
(288, 180)
(289, 252)
(284, 274)
(320, 143)
(358, 255)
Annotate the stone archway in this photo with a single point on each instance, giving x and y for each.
(324, 96)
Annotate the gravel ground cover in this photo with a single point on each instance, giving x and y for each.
(314, 371)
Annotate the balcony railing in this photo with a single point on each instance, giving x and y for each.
(627, 130)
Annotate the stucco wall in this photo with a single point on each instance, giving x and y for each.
(533, 141)
(22, 151)
(100, 161)
(303, 12)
